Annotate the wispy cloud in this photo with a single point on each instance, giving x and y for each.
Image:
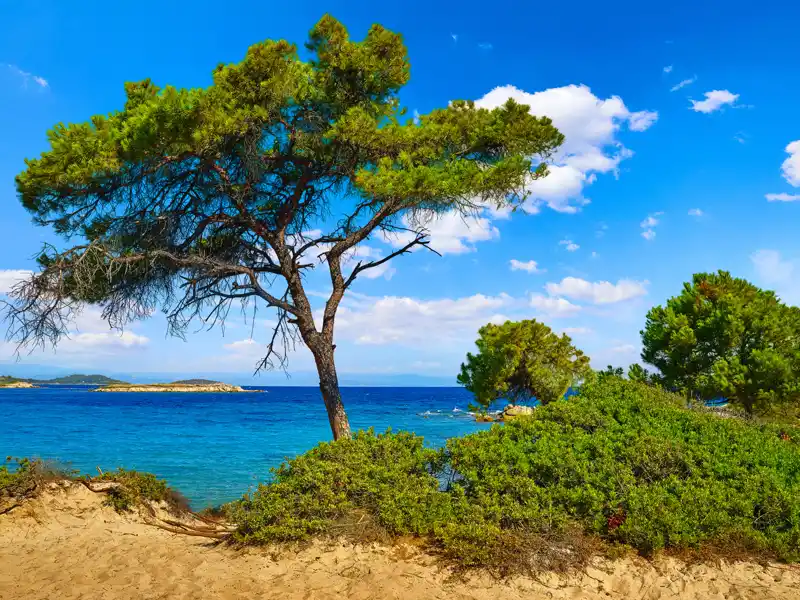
(714, 101)
(570, 245)
(485, 46)
(683, 84)
(28, 77)
(668, 69)
(696, 212)
(782, 197)
(455, 37)
(649, 225)
(530, 266)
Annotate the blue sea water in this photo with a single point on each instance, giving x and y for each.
(211, 447)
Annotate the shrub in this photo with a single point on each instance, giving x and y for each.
(389, 478)
(137, 488)
(627, 462)
(621, 462)
(19, 481)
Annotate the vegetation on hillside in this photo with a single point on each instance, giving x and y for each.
(23, 478)
(81, 380)
(66, 380)
(135, 489)
(196, 201)
(724, 337)
(621, 462)
(518, 361)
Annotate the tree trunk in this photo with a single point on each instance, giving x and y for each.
(329, 386)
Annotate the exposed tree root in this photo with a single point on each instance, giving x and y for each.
(217, 531)
(206, 534)
(9, 508)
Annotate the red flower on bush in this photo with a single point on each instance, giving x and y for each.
(617, 519)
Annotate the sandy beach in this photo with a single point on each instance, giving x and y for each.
(68, 545)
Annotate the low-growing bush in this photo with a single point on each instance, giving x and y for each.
(630, 464)
(136, 489)
(620, 462)
(18, 481)
(389, 479)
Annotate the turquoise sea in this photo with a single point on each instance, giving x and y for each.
(211, 447)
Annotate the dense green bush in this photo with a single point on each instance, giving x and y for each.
(628, 462)
(391, 477)
(621, 461)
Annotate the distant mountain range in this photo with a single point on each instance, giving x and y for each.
(67, 380)
(51, 374)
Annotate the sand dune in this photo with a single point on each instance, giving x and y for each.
(67, 545)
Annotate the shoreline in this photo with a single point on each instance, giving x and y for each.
(178, 388)
(18, 385)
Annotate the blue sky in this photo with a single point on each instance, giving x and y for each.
(667, 112)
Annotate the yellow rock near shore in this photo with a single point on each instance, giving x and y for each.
(16, 385)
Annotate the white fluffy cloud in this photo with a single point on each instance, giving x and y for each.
(10, 277)
(450, 233)
(91, 334)
(598, 292)
(642, 120)
(714, 101)
(88, 334)
(668, 69)
(553, 307)
(791, 166)
(531, 266)
(104, 339)
(790, 169)
(590, 126)
(569, 245)
(418, 323)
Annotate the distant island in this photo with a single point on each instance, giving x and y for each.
(107, 384)
(7, 380)
(187, 385)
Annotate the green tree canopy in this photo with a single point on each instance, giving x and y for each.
(192, 201)
(517, 361)
(724, 337)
